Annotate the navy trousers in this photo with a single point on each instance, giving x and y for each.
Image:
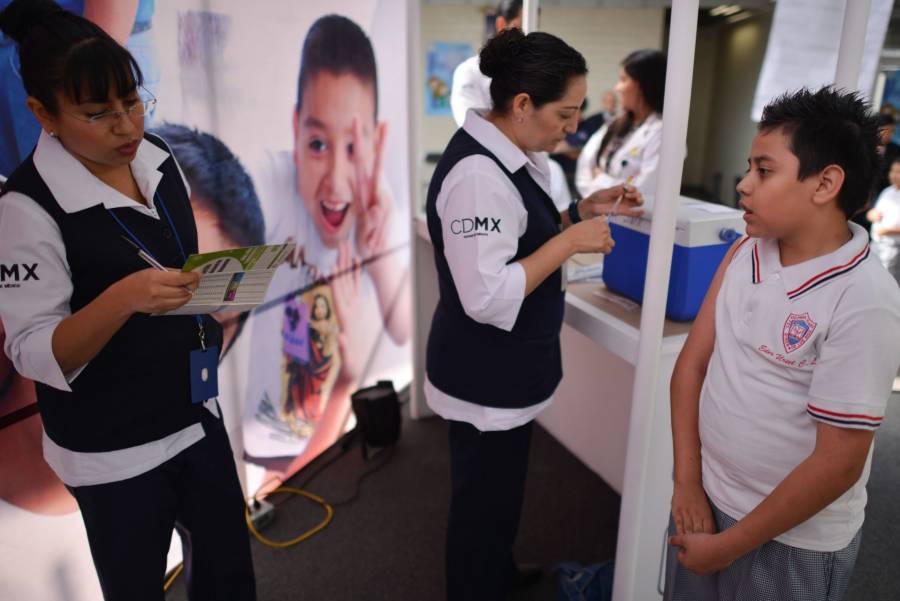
(488, 472)
(129, 525)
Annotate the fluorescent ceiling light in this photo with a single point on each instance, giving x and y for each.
(724, 10)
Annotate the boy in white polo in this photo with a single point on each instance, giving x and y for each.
(786, 372)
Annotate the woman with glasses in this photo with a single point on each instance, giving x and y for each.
(131, 424)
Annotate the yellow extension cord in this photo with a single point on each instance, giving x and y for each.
(329, 513)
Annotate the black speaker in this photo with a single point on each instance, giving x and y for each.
(377, 411)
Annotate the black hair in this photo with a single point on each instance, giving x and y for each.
(61, 52)
(537, 64)
(509, 9)
(316, 298)
(830, 127)
(337, 45)
(218, 182)
(885, 119)
(894, 161)
(648, 68)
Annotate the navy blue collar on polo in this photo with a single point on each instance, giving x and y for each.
(803, 277)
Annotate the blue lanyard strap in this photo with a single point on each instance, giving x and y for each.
(158, 200)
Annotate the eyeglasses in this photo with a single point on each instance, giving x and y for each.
(144, 106)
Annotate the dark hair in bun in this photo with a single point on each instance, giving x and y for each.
(537, 64)
(61, 52)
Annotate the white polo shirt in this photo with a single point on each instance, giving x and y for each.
(816, 341)
(31, 313)
(490, 288)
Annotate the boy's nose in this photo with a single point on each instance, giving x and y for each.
(341, 170)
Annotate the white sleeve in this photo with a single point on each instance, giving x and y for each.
(482, 218)
(645, 181)
(855, 369)
(466, 91)
(559, 187)
(587, 160)
(35, 296)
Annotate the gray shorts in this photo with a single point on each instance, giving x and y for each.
(772, 572)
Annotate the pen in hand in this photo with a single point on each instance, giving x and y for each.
(151, 261)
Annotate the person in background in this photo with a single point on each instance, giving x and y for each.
(128, 427)
(885, 219)
(493, 354)
(471, 89)
(626, 151)
(787, 370)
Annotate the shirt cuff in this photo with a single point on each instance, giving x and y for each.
(39, 362)
(846, 415)
(504, 310)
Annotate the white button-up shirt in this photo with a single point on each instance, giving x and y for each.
(490, 288)
(31, 312)
(814, 342)
(471, 89)
(636, 162)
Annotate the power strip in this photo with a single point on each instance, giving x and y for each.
(262, 513)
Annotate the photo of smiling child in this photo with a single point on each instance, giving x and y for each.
(346, 293)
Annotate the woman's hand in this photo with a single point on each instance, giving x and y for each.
(154, 291)
(590, 236)
(702, 553)
(601, 202)
(691, 511)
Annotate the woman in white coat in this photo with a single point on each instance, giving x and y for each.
(626, 151)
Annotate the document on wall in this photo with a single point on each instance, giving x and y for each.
(233, 280)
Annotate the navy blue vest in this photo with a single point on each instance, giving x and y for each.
(137, 389)
(481, 363)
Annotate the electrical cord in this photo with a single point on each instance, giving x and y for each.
(329, 514)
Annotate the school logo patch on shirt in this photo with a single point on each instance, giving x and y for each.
(797, 330)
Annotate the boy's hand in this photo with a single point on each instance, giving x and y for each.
(702, 553)
(691, 511)
(345, 290)
(372, 203)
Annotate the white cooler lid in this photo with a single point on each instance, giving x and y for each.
(698, 223)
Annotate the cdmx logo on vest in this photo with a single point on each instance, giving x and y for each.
(11, 275)
(474, 226)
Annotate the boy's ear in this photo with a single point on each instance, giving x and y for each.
(831, 180)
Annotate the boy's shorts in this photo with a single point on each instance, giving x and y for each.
(772, 572)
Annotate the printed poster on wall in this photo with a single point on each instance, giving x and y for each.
(320, 160)
(441, 61)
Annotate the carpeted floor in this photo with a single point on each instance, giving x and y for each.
(388, 543)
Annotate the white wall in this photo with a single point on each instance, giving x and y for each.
(603, 36)
(739, 52)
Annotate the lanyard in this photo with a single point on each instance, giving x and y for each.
(158, 200)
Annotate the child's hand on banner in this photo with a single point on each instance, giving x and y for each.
(345, 289)
(372, 201)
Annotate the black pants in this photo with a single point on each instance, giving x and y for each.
(488, 485)
(129, 525)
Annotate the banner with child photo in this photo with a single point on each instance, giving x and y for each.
(290, 123)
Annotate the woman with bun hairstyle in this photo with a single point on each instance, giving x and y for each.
(127, 400)
(626, 151)
(493, 355)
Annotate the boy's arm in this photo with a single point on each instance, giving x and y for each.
(831, 469)
(690, 510)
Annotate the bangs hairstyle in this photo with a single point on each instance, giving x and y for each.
(830, 127)
(337, 45)
(63, 53)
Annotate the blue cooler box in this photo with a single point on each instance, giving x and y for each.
(703, 234)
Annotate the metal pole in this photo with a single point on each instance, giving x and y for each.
(634, 581)
(853, 43)
(530, 15)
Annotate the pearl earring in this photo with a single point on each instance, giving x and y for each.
(53, 134)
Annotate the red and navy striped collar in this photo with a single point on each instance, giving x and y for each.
(801, 278)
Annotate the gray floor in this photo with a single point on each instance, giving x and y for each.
(388, 544)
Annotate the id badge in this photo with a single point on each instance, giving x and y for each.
(204, 374)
